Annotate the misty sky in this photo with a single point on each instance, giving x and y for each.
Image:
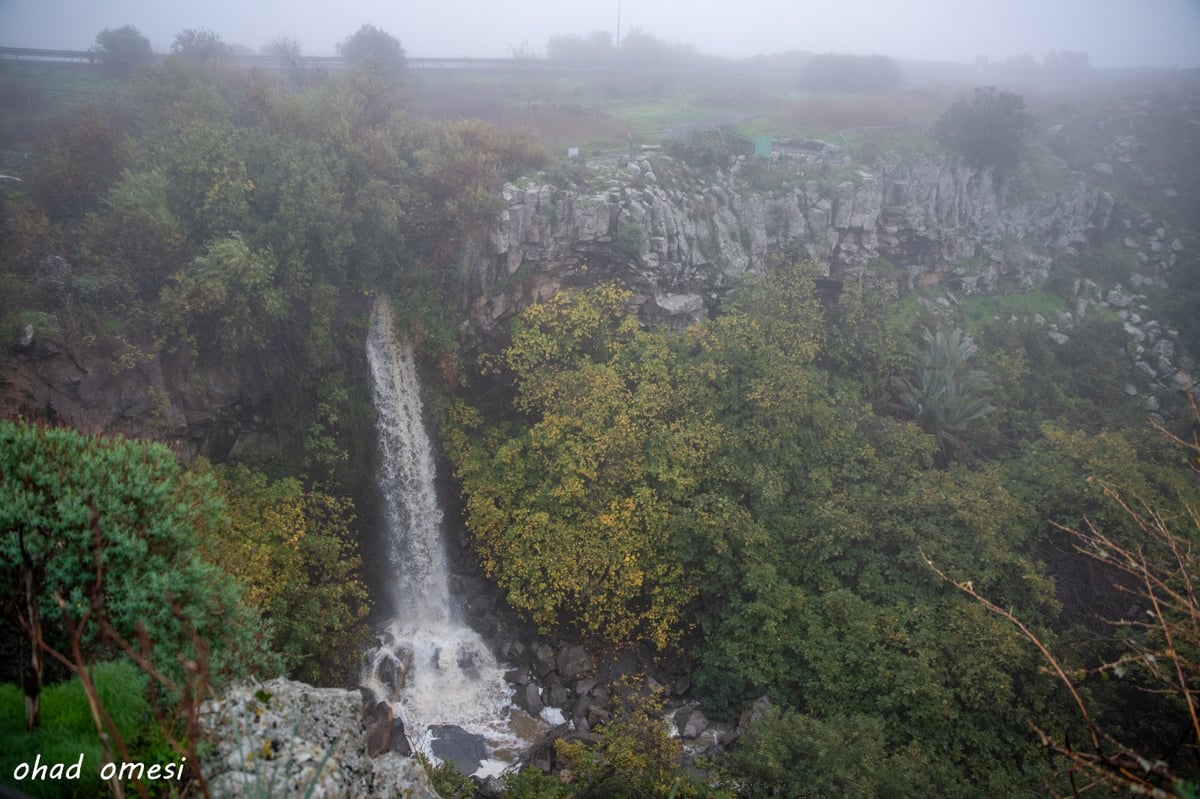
(1112, 32)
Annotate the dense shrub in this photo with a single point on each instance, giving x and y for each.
(108, 527)
(122, 50)
(989, 130)
(370, 46)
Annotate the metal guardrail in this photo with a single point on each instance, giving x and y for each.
(509, 64)
(44, 54)
(39, 54)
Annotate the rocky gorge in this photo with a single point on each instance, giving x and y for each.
(679, 239)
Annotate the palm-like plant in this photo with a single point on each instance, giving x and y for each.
(947, 394)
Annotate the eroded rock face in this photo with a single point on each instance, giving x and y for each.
(142, 393)
(680, 239)
(294, 737)
(201, 404)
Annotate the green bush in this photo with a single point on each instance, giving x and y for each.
(789, 754)
(533, 783)
(630, 239)
(446, 779)
(371, 46)
(989, 130)
(122, 50)
(69, 502)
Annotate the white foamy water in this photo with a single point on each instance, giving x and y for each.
(430, 666)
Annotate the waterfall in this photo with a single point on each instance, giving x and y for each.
(431, 667)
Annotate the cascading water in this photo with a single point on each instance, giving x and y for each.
(430, 666)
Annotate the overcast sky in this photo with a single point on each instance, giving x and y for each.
(1112, 32)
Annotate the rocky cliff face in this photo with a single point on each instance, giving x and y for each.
(214, 411)
(678, 239)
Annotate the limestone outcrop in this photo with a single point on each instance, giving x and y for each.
(284, 738)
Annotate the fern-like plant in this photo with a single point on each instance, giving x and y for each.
(947, 394)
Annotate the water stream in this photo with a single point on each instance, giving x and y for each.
(430, 665)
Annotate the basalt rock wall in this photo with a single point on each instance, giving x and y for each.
(678, 239)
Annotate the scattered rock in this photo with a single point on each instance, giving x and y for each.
(24, 341)
(52, 272)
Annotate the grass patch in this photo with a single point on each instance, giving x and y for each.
(1109, 264)
(68, 730)
(974, 312)
(43, 324)
(601, 110)
(978, 311)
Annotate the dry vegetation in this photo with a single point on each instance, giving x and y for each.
(601, 110)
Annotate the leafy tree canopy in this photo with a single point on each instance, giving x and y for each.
(199, 45)
(571, 504)
(293, 551)
(989, 130)
(105, 530)
(371, 46)
(122, 50)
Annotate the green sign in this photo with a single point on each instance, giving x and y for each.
(762, 146)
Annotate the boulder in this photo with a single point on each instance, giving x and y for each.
(544, 661)
(24, 341)
(394, 776)
(305, 741)
(555, 694)
(690, 723)
(517, 676)
(573, 663)
(378, 726)
(453, 744)
(529, 698)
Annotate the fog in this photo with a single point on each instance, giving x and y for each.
(1115, 33)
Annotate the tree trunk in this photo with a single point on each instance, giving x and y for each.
(31, 680)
